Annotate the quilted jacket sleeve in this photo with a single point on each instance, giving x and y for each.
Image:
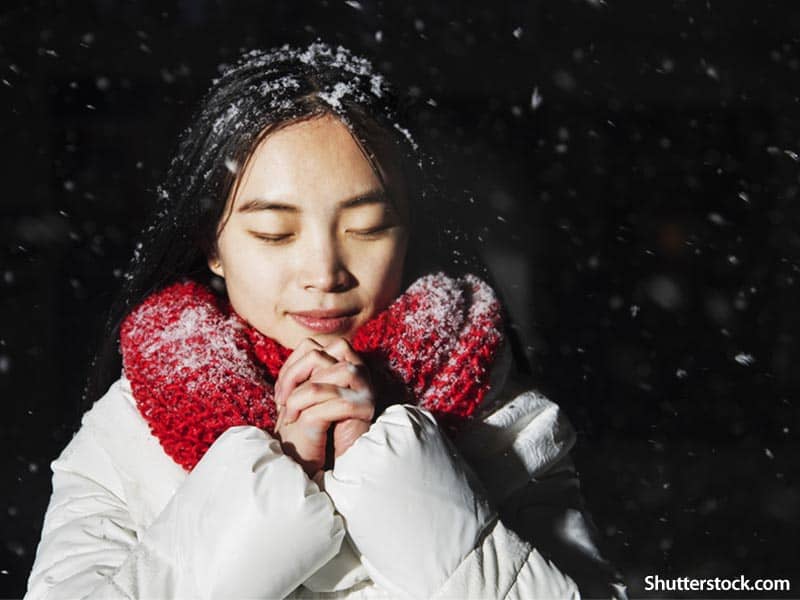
(246, 522)
(521, 453)
(423, 523)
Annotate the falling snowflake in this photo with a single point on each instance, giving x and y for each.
(536, 99)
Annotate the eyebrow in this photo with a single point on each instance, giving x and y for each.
(258, 204)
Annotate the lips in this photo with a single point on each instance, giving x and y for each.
(325, 321)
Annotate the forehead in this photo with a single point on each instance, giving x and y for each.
(318, 155)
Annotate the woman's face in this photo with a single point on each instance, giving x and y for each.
(313, 246)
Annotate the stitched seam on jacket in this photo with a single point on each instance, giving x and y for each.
(515, 581)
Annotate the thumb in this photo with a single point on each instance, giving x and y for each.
(345, 433)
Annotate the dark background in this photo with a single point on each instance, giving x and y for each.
(634, 168)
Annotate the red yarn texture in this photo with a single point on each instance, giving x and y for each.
(197, 368)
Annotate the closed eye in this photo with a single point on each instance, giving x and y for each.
(371, 232)
(272, 238)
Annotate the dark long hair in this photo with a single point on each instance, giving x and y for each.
(262, 92)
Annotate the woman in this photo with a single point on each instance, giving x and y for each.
(301, 414)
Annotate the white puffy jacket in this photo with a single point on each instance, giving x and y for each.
(403, 514)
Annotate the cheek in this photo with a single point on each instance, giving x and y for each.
(251, 279)
(398, 257)
(384, 270)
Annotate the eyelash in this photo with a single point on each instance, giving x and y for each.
(273, 239)
(367, 234)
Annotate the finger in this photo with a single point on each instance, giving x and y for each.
(323, 414)
(341, 349)
(343, 374)
(305, 443)
(300, 371)
(344, 380)
(307, 395)
(303, 348)
(345, 433)
(280, 420)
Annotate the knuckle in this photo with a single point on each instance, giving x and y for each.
(294, 405)
(355, 372)
(318, 354)
(298, 395)
(304, 345)
(342, 349)
(293, 397)
(345, 366)
(355, 397)
(339, 344)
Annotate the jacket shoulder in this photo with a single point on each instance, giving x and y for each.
(115, 448)
(525, 437)
(85, 453)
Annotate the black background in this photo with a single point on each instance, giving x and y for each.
(635, 174)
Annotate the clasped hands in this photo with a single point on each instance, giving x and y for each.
(317, 388)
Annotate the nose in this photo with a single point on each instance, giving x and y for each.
(324, 268)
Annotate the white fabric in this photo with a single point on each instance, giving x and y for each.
(390, 521)
(401, 514)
